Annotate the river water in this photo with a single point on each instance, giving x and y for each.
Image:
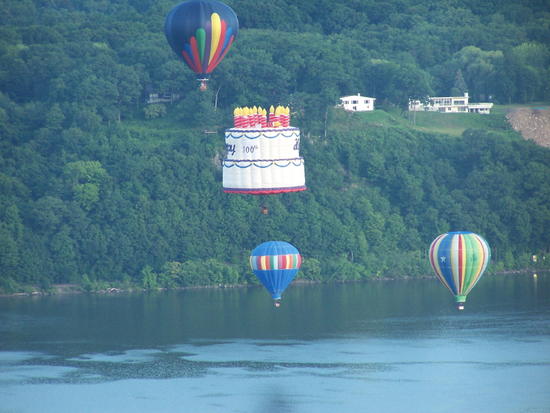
(381, 346)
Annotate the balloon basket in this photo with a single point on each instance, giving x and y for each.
(460, 301)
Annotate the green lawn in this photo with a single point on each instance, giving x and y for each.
(452, 124)
(455, 124)
(503, 109)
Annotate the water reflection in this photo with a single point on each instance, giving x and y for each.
(265, 375)
(409, 308)
(328, 348)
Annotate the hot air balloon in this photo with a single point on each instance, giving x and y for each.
(275, 263)
(459, 260)
(201, 32)
(263, 157)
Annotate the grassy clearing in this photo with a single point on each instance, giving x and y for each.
(169, 129)
(163, 131)
(455, 124)
(451, 124)
(504, 109)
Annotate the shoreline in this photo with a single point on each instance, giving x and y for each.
(74, 289)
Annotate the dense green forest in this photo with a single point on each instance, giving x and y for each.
(97, 187)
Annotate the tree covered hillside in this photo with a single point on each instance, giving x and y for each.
(98, 187)
(97, 59)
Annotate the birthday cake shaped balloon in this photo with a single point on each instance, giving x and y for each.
(263, 153)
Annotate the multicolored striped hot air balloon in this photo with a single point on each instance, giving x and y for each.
(275, 263)
(201, 32)
(459, 260)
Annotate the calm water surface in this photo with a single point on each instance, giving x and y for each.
(397, 346)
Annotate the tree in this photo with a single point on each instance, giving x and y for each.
(397, 83)
(55, 118)
(86, 179)
(530, 71)
(197, 109)
(157, 110)
(90, 191)
(459, 87)
(480, 70)
(10, 255)
(149, 278)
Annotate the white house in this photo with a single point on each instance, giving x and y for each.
(357, 103)
(452, 104)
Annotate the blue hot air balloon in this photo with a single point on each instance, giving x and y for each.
(275, 263)
(201, 32)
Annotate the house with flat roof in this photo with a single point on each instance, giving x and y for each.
(357, 103)
(451, 104)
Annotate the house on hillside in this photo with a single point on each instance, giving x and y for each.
(452, 104)
(357, 103)
(154, 98)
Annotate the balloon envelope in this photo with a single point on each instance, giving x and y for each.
(459, 259)
(275, 263)
(263, 161)
(201, 32)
